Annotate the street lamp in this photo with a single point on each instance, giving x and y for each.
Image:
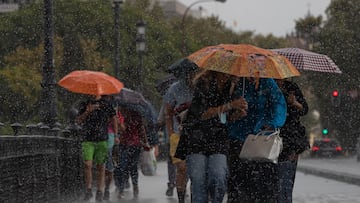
(117, 37)
(48, 111)
(184, 16)
(140, 48)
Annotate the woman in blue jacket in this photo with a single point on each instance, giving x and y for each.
(253, 181)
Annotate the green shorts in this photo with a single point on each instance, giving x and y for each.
(95, 151)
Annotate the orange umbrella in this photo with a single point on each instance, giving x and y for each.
(244, 60)
(91, 82)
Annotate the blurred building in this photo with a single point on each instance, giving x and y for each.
(173, 8)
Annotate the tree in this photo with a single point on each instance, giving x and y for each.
(84, 32)
(339, 39)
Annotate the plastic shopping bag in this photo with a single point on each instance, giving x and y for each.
(148, 162)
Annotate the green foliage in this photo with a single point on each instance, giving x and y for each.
(339, 39)
(84, 33)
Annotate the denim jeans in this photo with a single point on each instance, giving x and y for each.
(287, 170)
(208, 177)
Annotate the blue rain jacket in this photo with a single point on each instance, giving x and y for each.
(266, 106)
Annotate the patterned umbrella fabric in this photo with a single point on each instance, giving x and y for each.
(307, 60)
(91, 82)
(244, 60)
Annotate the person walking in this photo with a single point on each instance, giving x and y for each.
(171, 168)
(114, 129)
(294, 138)
(204, 136)
(254, 181)
(94, 116)
(177, 99)
(131, 143)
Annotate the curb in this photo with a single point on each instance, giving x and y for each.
(338, 176)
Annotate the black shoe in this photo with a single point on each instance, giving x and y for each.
(170, 190)
(120, 195)
(181, 196)
(99, 196)
(106, 195)
(88, 195)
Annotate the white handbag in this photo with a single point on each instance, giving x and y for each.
(266, 146)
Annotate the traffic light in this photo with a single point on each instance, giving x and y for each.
(335, 98)
(335, 93)
(325, 131)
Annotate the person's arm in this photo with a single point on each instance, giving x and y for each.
(300, 102)
(169, 114)
(276, 109)
(115, 122)
(277, 105)
(143, 137)
(238, 104)
(121, 124)
(80, 119)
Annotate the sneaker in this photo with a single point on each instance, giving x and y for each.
(88, 195)
(170, 190)
(106, 195)
(136, 191)
(99, 196)
(120, 195)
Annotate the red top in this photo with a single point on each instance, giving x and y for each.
(133, 127)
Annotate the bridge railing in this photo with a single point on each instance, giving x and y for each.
(41, 165)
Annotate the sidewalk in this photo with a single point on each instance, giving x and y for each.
(151, 189)
(341, 169)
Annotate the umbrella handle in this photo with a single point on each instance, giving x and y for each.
(243, 87)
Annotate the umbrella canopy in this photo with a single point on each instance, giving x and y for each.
(135, 101)
(182, 67)
(91, 82)
(307, 60)
(244, 60)
(163, 84)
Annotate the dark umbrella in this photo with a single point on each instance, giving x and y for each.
(163, 84)
(135, 101)
(182, 67)
(179, 69)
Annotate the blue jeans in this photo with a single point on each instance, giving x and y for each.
(208, 177)
(109, 165)
(287, 170)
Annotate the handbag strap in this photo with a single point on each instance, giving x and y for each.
(268, 133)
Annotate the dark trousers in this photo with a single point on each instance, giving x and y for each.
(128, 165)
(251, 181)
(171, 172)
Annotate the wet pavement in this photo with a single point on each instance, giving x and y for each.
(152, 188)
(343, 169)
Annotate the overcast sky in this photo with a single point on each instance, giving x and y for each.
(262, 16)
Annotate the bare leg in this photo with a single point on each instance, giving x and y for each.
(88, 173)
(108, 179)
(181, 180)
(100, 177)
